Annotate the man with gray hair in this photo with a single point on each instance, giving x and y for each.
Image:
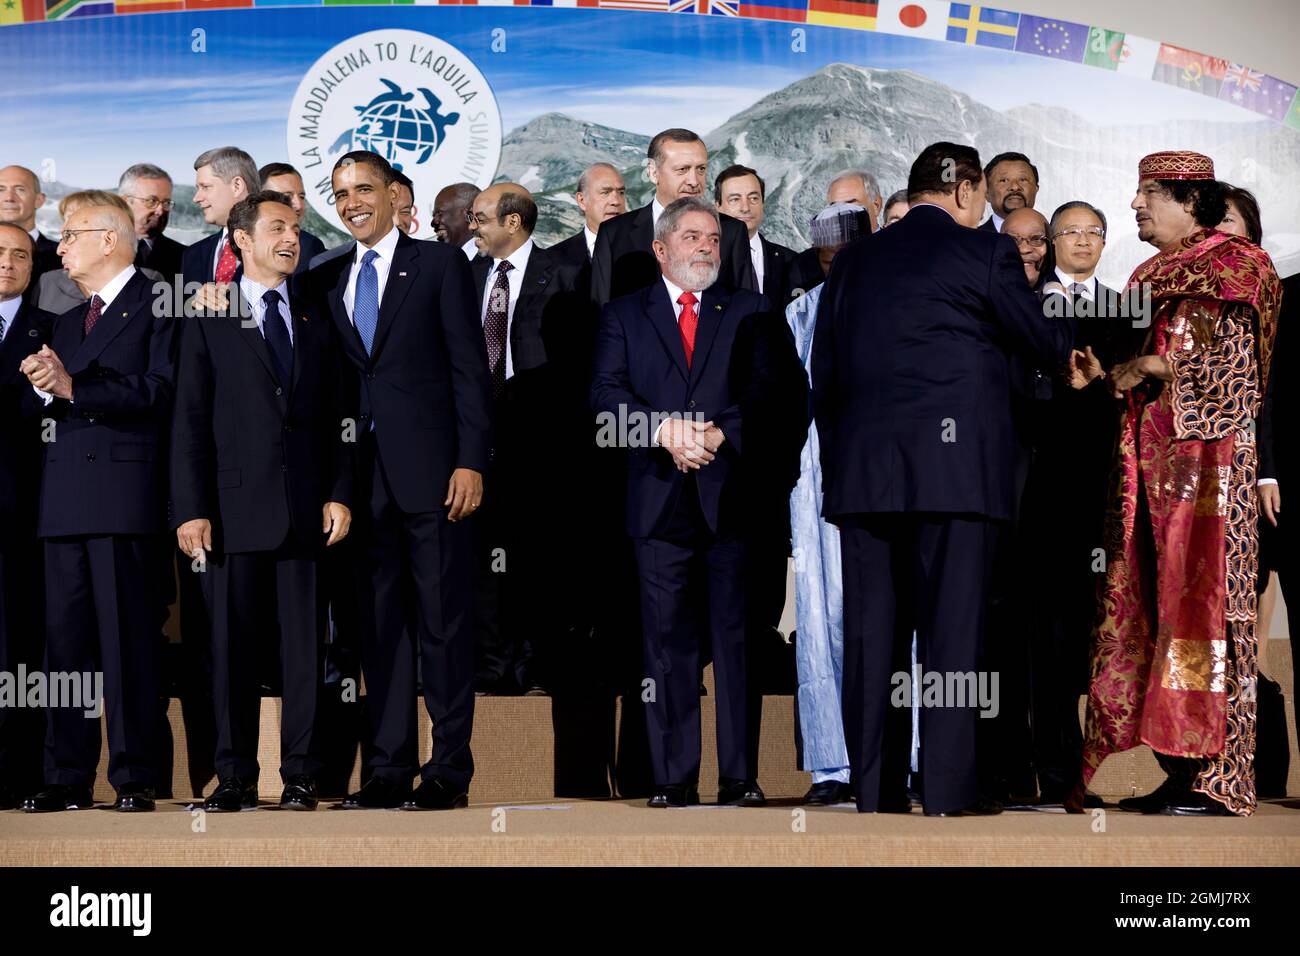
(107, 380)
(854, 187)
(222, 177)
(601, 195)
(147, 189)
(684, 363)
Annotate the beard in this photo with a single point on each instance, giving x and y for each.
(699, 271)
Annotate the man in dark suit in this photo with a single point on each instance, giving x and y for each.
(222, 177)
(20, 197)
(525, 300)
(108, 374)
(623, 260)
(260, 473)
(283, 178)
(147, 189)
(682, 347)
(405, 312)
(740, 192)
(601, 195)
(854, 187)
(450, 217)
(23, 330)
(912, 402)
(1012, 184)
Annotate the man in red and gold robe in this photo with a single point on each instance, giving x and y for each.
(1174, 654)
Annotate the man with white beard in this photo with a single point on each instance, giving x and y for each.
(682, 349)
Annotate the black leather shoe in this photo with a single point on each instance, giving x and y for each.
(1195, 805)
(299, 793)
(378, 793)
(1157, 799)
(231, 796)
(740, 793)
(437, 794)
(59, 797)
(134, 798)
(827, 794)
(980, 808)
(673, 796)
(903, 805)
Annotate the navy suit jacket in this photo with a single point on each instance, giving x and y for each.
(910, 369)
(198, 260)
(105, 472)
(425, 385)
(309, 247)
(640, 371)
(256, 456)
(20, 407)
(166, 257)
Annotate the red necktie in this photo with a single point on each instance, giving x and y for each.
(95, 311)
(226, 264)
(687, 323)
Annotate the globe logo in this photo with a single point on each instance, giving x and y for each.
(396, 129)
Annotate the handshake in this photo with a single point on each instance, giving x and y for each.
(692, 444)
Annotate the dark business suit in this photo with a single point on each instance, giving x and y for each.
(103, 516)
(679, 520)
(309, 247)
(47, 259)
(257, 450)
(988, 225)
(624, 260)
(425, 410)
(198, 262)
(912, 393)
(573, 250)
(22, 581)
(777, 263)
(161, 254)
(517, 611)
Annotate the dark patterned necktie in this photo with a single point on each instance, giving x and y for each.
(95, 311)
(494, 326)
(277, 335)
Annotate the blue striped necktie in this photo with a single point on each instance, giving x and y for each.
(365, 307)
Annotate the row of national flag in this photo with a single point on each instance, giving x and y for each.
(966, 23)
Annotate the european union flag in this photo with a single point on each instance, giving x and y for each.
(1058, 39)
(982, 26)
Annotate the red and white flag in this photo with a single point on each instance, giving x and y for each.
(917, 18)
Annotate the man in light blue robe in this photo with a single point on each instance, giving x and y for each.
(819, 591)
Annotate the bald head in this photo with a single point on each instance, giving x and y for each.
(1028, 230)
(450, 207)
(20, 196)
(504, 216)
(601, 194)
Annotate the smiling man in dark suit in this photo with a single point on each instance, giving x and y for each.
(911, 391)
(623, 259)
(261, 484)
(679, 347)
(222, 177)
(405, 312)
(23, 330)
(108, 374)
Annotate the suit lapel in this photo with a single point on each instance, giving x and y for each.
(302, 341)
(401, 276)
(250, 334)
(480, 267)
(712, 308)
(348, 333)
(664, 319)
(116, 316)
(19, 342)
(642, 232)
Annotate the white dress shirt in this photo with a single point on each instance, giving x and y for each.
(8, 312)
(591, 241)
(997, 221)
(253, 292)
(107, 294)
(656, 210)
(515, 280)
(386, 248)
(469, 249)
(1089, 284)
(756, 257)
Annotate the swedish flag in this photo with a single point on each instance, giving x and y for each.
(982, 26)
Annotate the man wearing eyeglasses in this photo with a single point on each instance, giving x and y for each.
(1078, 232)
(147, 189)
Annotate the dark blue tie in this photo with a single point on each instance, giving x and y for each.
(277, 336)
(365, 307)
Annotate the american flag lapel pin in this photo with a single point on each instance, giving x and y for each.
(401, 275)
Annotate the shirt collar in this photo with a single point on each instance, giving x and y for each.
(469, 248)
(997, 221)
(756, 243)
(519, 258)
(656, 210)
(114, 286)
(591, 239)
(1089, 284)
(9, 310)
(675, 291)
(385, 247)
(253, 291)
(34, 233)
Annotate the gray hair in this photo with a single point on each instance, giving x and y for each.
(585, 179)
(869, 182)
(142, 171)
(114, 220)
(1076, 204)
(227, 162)
(672, 215)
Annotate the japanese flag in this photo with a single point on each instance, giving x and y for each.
(920, 18)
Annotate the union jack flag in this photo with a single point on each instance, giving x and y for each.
(1243, 76)
(721, 8)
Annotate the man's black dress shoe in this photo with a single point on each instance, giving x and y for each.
(59, 797)
(134, 798)
(379, 793)
(1195, 805)
(299, 793)
(674, 796)
(231, 796)
(827, 794)
(437, 794)
(980, 808)
(1157, 799)
(740, 793)
(1092, 802)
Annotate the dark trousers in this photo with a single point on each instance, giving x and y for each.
(103, 612)
(418, 573)
(767, 552)
(22, 644)
(677, 610)
(256, 601)
(933, 567)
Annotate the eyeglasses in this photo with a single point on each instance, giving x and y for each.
(68, 236)
(1036, 241)
(477, 220)
(153, 202)
(1086, 232)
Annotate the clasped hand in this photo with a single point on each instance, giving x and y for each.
(692, 444)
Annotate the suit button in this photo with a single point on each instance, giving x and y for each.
(288, 427)
(691, 403)
(90, 456)
(284, 467)
(370, 375)
(279, 391)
